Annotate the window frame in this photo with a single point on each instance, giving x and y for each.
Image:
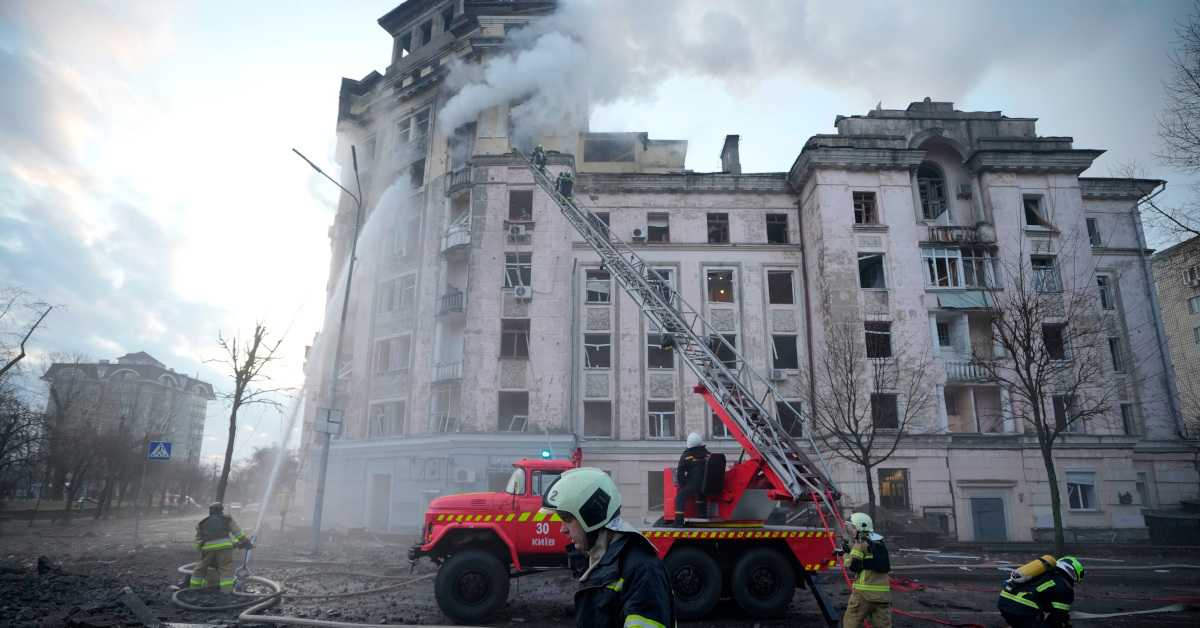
(1093, 231)
(904, 482)
(1064, 352)
(866, 207)
(661, 416)
(1041, 273)
(1194, 305)
(1128, 418)
(717, 224)
(511, 418)
(609, 427)
(1117, 355)
(512, 340)
(651, 350)
(883, 278)
(876, 338)
(588, 282)
(520, 263)
(660, 234)
(773, 220)
(394, 364)
(522, 216)
(881, 412)
(1039, 210)
(603, 350)
(776, 355)
(1105, 288)
(1084, 480)
(795, 420)
(791, 286)
(708, 285)
(928, 186)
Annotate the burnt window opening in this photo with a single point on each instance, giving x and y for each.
(658, 228)
(1054, 339)
(1064, 413)
(718, 228)
(865, 212)
(720, 286)
(416, 174)
(602, 217)
(608, 149)
(518, 269)
(520, 205)
(884, 413)
(1045, 273)
(426, 32)
(870, 271)
(513, 411)
(514, 338)
(1093, 232)
(658, 356)
(597, 418)
(878, 339)
(779, 287)
(931, 184)
(893, 488)
(597, 351)
(403, 45)
(447, 17)
(777, 229)
(784, 353)
(1035, 212)
(725, 350)
(598, 287)
(789, 416)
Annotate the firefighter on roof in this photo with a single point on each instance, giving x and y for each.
(623, 583)
(216, 536)
(871, 597)
(1043, 600)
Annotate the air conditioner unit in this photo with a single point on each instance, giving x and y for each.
(964, 190)
(523, 293)
(464, 476)
(517, 231)
(638, 236)
(777, 375)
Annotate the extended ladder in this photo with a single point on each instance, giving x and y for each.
(728, 383)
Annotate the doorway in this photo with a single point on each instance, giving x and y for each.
(987, 515)
(380, 502)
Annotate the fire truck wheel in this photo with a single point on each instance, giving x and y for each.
(763, 582)
(696, 581)
(471, 586)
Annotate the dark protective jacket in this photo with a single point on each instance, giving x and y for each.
(690, 470)
(869, 564)
(628, 588)
(1051, 595)
(218, 532)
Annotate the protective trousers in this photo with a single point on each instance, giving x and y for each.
(879, 613)
(214, 569)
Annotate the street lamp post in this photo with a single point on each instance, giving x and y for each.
(319, 501)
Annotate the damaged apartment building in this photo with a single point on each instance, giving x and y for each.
(487, 330)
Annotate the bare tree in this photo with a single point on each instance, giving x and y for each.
(864, 393)
(247, 360)
(1179, 125)
(21, 431)
(1051, 357)
(15, 327)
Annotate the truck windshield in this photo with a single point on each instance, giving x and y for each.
(516, 483)
(542, 480)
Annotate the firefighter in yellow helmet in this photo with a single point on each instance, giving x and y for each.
(216, 536)
(871, 597)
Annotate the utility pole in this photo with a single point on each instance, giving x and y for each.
(326, 431)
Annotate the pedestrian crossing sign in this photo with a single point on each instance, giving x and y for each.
(159, 450)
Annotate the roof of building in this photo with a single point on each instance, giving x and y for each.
(147, 368)
(1190, 245)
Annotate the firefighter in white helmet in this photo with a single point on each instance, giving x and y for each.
(871, 598)
(623, 583)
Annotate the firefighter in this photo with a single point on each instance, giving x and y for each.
(216, 536)
(871, 598)
(1044, 601)
(565, 184)
(689, 477)
(539, 157)
(622, 581)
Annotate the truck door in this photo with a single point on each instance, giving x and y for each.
(538, 533)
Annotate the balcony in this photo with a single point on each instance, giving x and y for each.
(458, 180)
(453, 302)
(965, 235)
(457, 241)
(447, 371)
(966, 371)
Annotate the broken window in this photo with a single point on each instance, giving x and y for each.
(783, 352)
(598, 285)
(1093, 232)
(608, 149)
(725, 350)
(426, 32)
(602, 217)
(1105, 287)
(943, 334)
(789, 416)
(392, 354)
(720, 286)
(893, 488)
(1064, 412)
(597, 351)
(1054, 338)
(661, 415)
(447, 16)
(879, 339)
(1081, 490)
(514, 338)
(1035, 214)
(658, 227)
(864, 208)
(387, 419)
(399, 294)
(777, 229)
(1128, 420)
(943, 267)
(1118, 356)
(520, 205)
(979, 268)
(518, 269)
(416, 174)
(658, 356)
(779, 287)
(931, 185)
(884, 414)
(513, 411)
(870, 271)
(718, 228)
(403, 46)
(1045, 273)
(597, 418)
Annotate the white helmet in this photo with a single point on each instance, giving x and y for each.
(861, 522)
(694, 440)
(587, 494)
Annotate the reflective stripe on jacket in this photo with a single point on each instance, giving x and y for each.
(628, 588)
(218, 532)
(1051, 594)
(870, 560)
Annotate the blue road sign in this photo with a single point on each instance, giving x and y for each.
(159, 450)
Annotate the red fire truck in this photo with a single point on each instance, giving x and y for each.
(745, 549)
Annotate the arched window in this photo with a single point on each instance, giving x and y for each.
(931, 184)
(168, 381)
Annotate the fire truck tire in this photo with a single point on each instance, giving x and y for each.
(471, 586)
(695, 580)
(763, 582)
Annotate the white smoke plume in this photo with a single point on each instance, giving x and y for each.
(603, 51)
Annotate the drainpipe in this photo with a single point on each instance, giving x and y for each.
(808, 340)
(1152, 297)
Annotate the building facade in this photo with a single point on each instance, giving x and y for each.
(1177, 278)
(482, 329)
(136, 393)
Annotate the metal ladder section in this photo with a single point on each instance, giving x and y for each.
(732, 383)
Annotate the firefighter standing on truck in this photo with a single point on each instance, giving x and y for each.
(689, 477)
(622, 582)
(1044, 600)
(871, 597)
(216, 536)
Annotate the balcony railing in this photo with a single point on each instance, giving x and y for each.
(966, 371)
(956, 233)
(458, 179)
(447, 371)
(456, 236)
(452, 302)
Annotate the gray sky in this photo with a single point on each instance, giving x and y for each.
(146, 183)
